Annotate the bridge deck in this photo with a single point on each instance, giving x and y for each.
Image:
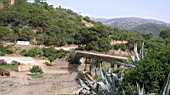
(104, 57)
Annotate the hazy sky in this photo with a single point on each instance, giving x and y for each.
(155, 9)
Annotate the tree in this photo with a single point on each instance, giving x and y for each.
(165, 33)
(21, 2)
(39, 1)
(148, 36)
(52, 54)
(103, 44)
(6, 34)
(35, 52)
(151, 71)
(26, 33)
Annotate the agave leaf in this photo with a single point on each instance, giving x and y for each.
(83, 84)
(105, 80)
(91, 83)
(107, 85)
(102, 74)
(166, 89)
(136, 52)
(140, 90)
(103, 86)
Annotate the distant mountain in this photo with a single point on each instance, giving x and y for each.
(136, 24)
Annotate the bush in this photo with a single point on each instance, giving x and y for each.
(36, 70)
(35, 52)
(4, 51)
(52, 54)
(10, 67)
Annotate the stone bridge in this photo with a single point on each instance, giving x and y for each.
(91, 58)
(102, 57)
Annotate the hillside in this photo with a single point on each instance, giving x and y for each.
(42, 24)
(136, 24)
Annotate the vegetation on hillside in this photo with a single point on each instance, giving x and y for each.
(165, 34)
(152, 71)
(5, 50)
(50, 53)
(41, 23)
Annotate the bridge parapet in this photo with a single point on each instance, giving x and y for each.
(100, 56)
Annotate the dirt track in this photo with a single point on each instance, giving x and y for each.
(58, 80)
(51, 84)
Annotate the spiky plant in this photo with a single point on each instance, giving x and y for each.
(106, 83)
(166, 89)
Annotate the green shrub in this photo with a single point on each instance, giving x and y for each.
(35, 52)
(4, 51)
(36, 70)
(22, 52)
(10, 67)
(52, 54)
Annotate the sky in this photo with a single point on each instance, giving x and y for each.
(151, 9)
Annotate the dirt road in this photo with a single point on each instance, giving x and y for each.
(53, 84)
(57, 80)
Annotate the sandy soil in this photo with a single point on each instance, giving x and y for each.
(51, 84)
(23, 60)
(58, 80)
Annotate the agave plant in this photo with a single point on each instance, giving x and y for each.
(137, 55)
(140, 90)
(166, 89)
(106, 83)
